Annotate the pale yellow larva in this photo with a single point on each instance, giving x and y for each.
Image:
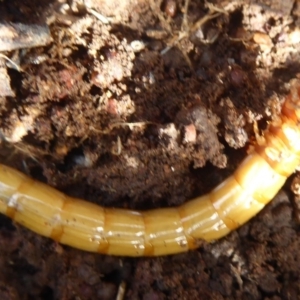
(164, 231)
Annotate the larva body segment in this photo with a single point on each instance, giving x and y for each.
(89, 227)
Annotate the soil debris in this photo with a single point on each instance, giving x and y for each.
(144, 104)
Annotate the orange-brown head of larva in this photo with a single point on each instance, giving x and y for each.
(291, 106)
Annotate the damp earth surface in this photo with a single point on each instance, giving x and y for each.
(140, 105)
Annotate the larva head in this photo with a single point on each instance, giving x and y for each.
(291, 106)
(288, 131)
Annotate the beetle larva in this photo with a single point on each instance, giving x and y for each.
(164, 231)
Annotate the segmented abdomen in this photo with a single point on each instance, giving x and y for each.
(89, 227)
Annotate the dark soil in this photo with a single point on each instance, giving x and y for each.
(102, 114)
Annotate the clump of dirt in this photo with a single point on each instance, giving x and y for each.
(144, 105)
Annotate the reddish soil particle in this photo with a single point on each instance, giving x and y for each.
(127, 126)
